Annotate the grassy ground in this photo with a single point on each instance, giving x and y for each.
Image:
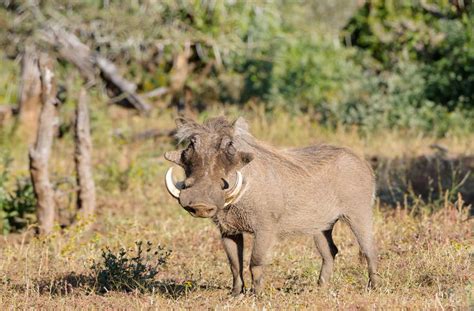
(424, 263)
(425, 259)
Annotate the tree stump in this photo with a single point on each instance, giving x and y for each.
(40, 152)
(82, 156)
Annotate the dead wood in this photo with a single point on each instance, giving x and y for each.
(181, 68)
(119, 87)
(29, 104)
(158, 92)
(71, 49)
(40, 152)
(82, 156)
(152, 134)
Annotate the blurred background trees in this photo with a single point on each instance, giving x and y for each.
(376, 63)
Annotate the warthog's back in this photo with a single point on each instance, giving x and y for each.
(306, 189)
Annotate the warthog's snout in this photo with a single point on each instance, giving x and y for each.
(201, 210)
(199, 201)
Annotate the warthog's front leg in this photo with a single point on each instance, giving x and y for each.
(261, 255)
(234, 247)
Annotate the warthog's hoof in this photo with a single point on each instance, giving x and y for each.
(374, 282)
(236, 296)
(237, 292)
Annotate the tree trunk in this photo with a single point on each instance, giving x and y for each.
(29, 103)
(85, 181)
(40, 153)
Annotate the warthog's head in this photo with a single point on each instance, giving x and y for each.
(211, 163)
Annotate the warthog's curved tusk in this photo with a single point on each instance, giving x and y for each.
(232, 193)
(173, 189)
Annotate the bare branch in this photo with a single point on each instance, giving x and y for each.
(152, 134)
(73, 50)
(119, 86)
(158, 92)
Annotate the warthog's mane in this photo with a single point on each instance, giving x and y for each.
(298, 160)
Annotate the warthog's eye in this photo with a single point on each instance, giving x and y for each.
(225, 184)
(189, 182)
(230, 151)
(188, 152)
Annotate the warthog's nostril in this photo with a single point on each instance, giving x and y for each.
(200, 210)
(190, 209)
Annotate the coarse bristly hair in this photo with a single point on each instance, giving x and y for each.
(188, 128)
(243, 140)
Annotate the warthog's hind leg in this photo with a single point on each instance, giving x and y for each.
(261, 256)
(328, 250)
(364, 234)
(234, 247)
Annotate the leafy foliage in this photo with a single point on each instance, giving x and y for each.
(396, 64)
(128, 270)
(17, 208)
(438, 38)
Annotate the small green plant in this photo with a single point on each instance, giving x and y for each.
(17, 207)
(130, 270)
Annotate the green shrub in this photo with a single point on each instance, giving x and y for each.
(439, 41)
(385, 64)
(397, 99)
(130, 270)
(450, 76)
(312, 74)
(17, 207)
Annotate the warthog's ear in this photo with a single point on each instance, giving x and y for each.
(241, 127)
(174, 156)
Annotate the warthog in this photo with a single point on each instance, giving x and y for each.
(246, 186)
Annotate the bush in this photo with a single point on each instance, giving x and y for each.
(437, 37)
(450, 77)
(404, 64)
(127, 270)
(397, 99)
(18, 207)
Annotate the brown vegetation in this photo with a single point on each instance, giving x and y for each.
(424, 254)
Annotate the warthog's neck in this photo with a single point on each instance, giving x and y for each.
(232, 219)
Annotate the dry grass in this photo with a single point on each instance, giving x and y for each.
(425, 260)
